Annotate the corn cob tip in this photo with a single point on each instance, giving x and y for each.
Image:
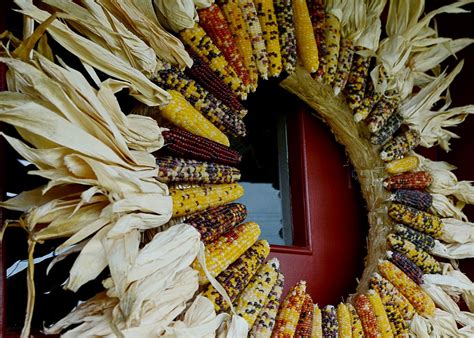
(389, 254)
(275, 262)
(358, 117)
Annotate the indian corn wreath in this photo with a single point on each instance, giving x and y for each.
(148, 193)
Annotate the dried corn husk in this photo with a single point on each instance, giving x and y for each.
(453, 251)
(203, 3)
(445, 208)
(456, 231)
(176, 15)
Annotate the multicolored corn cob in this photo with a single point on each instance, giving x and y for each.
(256, 36)
(421, 258)
(346, 54)
(263, 326)
(417, 297)
(401, 144)
(286, 29)
(318, 21)
(268, 23)
(357, 81)
(383, 323)
(393, 123)
(215, 222)
(406, 265)
(418, 199)
(330, 324)
(305, 40)
(417, 219)
(184, 144)
(235, 278)
(397, 323)
(289, 311)
(367, 316)
(356, 324)
(370, 100)
(332, 37)
(227, 248)
(317, 330)
(191, 200)
(238, 27)
(171, 169)
(305, 322)
(253, 298)
(412, 180)
(421, 240)
(382, 112)
(408, 163)
(344, 321)
(202, 73)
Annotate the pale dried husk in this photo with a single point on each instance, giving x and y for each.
(176, 15)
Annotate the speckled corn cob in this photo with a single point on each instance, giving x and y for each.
(383, 323)
(408, 163)
(317, 330)
(367, 104)
(401, 144)
(367, 316)
(406, 265)
(397, 323)
(330, 324)
(256, 36)
(318, 20)
(421, 258)
(382, 111)
(417, 219)
(286, 29)
(356, 324)
(191, 200)
(305, 322)
(421, 240)
(289, 311)
(417, 297)
(253, 298)
(305, 40)
(263, 326)
(268, 23)
(393, 123)
(418, 199)
(344, 321)
(215, 222)
(332, 37)
(412, 180)
(184, 144)
(346, 54)
(182, 114)
(357, 81)
(235, 278)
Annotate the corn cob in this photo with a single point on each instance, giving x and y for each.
(421, 258)
(330, 324)
(383, 323)
(401, 144)
(184, 144)
(421, 240)
(172, 169)
(357, 81)
(318, 20)
(408, 163)
(200, 43)
(397, 323)
(393, 123)
(406, 265)
(367, 316)
(417, 297)
(390, 294)
(382, 111)
(289, 311)
(417, 219)
(191, 200)
(332, 37)
(215, 222)
(202, 73)
(305, 322)
(286, 29)
(182, 114)
(344, 321)
(227, 248)
(370, 100)
(235, 278)
(317, 329)
(418, 199)
(252, 300)
(346, 54)
(256, 36)
(209, 106)
(305, 40)
(268, 23)
(265, 322)
(413, 180)
(356, 325)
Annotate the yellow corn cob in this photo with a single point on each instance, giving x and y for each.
(182, 114)
(332, 37)
(397, 323)
(263, 326)
(305, 322)
(405, 164)
(268, 23)
(252, 300)
(317, 331)
(227, 248)
(419, 220)
(382, 320)
(344, 321)
(305, 40)
(416, 296)
(356, 325)
(238, 26)
(367, 316)
(289, 312)
(235, 278)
